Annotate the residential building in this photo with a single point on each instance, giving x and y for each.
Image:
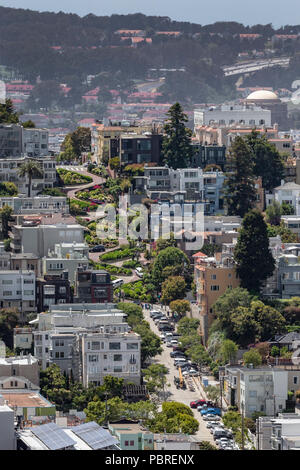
(25, 261)
(35, 205)
(102, 135)
(91, 340)
(39, 234)
(35, 142)
(259, 389)
(226, 115)
(175, 442)
(28, 403)
(50, 436)
(17, 290)
(18, 370)
(10, 140)
(66, 257)
(292, 222)
(205, 155)
(132, 436)
(133, 148)
(212, 279)
(282, 433)
(288, 193)
(23, 339)
(7, 426)
(4, 258)
(92, 286)
(53, 289)
(9, 172)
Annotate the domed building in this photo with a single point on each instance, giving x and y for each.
(269, 100)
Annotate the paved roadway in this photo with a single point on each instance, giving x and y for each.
(172, 393)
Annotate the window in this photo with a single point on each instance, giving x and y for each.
(126, 443)
(131, 346)
(95, 345)
(132, 443)
(295, 380)
(118, 369)
(117, 357)
(93, 358)
(62, 354)
(213, 276)
(214, 288)
(252, 393)
(114, 346)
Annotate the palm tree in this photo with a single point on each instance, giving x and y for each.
(32, 169)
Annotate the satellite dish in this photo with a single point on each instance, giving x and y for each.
(2, 349)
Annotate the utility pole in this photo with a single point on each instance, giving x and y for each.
(221, 393)
(243, 427)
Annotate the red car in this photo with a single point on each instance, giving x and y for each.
(196, 403)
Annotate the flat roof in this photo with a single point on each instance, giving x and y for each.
(26, 400)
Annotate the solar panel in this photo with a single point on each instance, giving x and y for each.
(52, 436)
(94, 435)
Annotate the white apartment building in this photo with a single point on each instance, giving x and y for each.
(66, 257)
(91, 340)
(282, 433)
(17, 290)
(35, 205)
(9, 173)
(35, 142)
(31, 237)
(226, 115)
(4, 258)
(263, 389)
(288, 193)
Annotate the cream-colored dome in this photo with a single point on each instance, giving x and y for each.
(262, 95)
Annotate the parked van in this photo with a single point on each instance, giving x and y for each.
(117, 283)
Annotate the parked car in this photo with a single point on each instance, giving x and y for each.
(177, 354)
(211, 417)
(213, 411)
(154, 312)
(97, 249)
(196, 403)
(139, 272)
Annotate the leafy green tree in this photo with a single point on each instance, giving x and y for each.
(173, 288)
(229, 350)
(275, 351)
(113, 386)
(9, 319)
(252, 357)
(198, 355)
(31, 169)
(286, 235)
(156, 377)
(187, 326)
(101, 412)
(244, 325)
(76, 143)
(28, 124)
(6, 217)
(213, 393)
(180, 307)
(8, 189)
(176, 148)
(240, 193)
(273, 213)
(7, 113)
(252, 254)
(170, 256)
(271, 322)
(174, 418)
(226, 304)
(287, 209)
(150, 342)
(267, 160)
(142, 410)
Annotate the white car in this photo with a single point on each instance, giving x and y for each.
(139, 272)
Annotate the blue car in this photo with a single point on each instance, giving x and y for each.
(212, 411)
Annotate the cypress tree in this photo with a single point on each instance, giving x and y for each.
(240, 193)
(252, 254)
(176, 147)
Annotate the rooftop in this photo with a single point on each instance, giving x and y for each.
(25, 400)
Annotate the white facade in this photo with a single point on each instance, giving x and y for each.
(227, 115)
(35, 142)
(39, 239)
(36, 205)
(9, 173)
(17, 289)
(66, 257)
(7, 428)
(288, 193)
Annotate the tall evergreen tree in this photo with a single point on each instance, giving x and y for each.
(7, 113)
(252, 254)
(240, 193)
(176, 148)
(267, 160)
